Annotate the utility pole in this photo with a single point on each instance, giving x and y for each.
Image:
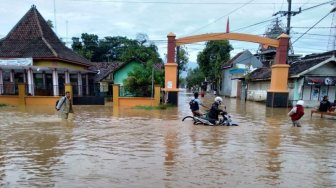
(288, 13)
(289, 16)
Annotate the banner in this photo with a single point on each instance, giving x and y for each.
(16, 62)
(323, 81)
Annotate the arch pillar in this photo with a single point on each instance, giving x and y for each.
(277, 95)
(171, 71)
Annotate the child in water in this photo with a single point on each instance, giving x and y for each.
(296, 113)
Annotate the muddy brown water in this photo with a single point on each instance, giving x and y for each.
(102, 147)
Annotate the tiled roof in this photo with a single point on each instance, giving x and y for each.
(263, 73)
(295, 68)
(230, 62)
(32, 37)
(104, 69)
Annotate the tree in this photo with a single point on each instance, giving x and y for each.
(183, 57)
(50, 24)
(212, 57)
(194, 78)
(116, 48)
(139, 80)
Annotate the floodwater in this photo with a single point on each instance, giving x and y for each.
(99, 147)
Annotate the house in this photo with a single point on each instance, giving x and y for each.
(31, 53)
(238, 66)
(310, 78)
(104, 78)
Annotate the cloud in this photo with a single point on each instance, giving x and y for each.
(112, 18)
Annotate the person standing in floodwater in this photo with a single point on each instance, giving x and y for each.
(296, 113)
(64, 106)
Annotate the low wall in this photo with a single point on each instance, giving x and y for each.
(9, 100)
(136, 101)
(29, 100)
(41, 100)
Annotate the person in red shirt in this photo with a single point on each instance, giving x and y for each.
(296, 113)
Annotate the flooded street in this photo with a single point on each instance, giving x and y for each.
(100, 147)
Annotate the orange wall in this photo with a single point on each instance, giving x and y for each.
(29, 100)
(137, 101)
(9, 100)
(41, 100)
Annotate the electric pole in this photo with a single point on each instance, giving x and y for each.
(288, 13)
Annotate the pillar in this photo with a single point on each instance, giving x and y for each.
(171, 71)
(157, 94)
(11, 80)
(79, 83)
(44, 80)
(277, 95)
(22, 93)
(55, 82)
(30, 79)
(115, 96)
(1, 83)
(67, 77)
(87, 84)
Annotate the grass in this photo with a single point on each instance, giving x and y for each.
(3, 105)
(160, 107)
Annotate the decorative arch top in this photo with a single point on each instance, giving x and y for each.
(228, 36)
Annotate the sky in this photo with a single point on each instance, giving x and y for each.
(157, 18)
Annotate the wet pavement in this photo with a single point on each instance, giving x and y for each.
(102, 147)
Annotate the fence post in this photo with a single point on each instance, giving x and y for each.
(157, 95)
(115, 95)
(22, 93)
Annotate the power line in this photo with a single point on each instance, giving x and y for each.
(314, 27)
(333, 10)
(180, 3)
(328, 2)
(254, 24)
(222, 17)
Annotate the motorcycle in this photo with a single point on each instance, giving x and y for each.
(225, 120)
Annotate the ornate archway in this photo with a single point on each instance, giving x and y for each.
(277, 95)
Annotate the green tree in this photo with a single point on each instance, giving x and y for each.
(50, 24)
(183, 57)
(116, 48)
(194, 78)
(210, 60)
(139, 81)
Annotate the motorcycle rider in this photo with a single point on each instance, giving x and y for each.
(215, 111)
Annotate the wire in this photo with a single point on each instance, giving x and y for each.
(180, 3)
(254, 24)
(312, 27)
(318, 5)
(221, 17)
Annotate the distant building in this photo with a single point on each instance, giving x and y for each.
(310, 78)
(241, 64)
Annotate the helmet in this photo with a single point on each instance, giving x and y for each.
(218, 99)
(300, 102)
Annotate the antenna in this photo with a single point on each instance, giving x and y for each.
(66, 32)
(332, 36)
(55, 16)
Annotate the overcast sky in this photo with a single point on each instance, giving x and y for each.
(157, 18)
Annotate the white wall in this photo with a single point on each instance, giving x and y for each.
(227, 84)
(257, 91)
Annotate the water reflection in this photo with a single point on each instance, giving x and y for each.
(104, 147)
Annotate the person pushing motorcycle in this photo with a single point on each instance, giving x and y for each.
(215, 111)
